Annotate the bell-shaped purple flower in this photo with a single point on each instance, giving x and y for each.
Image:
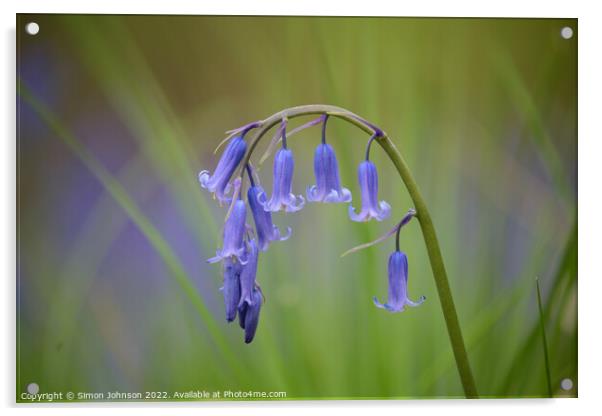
(218, 183)
(371, 208)
(232, 287)
(398, 285)
(266, 230)
(328, 185)
(248, 274)
(282, 195)
(234, 231)
(248, 314)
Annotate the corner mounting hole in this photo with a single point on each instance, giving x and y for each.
(566, 32)
(33, 388)
(566, 384)
(32, 28)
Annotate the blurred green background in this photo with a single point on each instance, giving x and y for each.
(118, 114)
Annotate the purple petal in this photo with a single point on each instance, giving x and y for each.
(282, 196)
(266, 230)
(248, 274)
(231, 288)
(218, 183)
(397, 297)
(326, 170)
(371, 208)
(251, 315)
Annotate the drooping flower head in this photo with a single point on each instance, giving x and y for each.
(371, 207)
(266, 230)
(231, 288)
(398, 285)
(218, 183)
(282, 192)
(248, 314)
(240, 248)
(326, 169)
(234, 231)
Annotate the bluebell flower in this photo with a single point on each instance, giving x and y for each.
(234, 231)
(248, 274)
(398, 285)
(232, 287)
(248, 314)
(328, 186)
(266, 230)
(282, 195)
(218, 183)
(371, 208)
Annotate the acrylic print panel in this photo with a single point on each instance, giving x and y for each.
(449, 142)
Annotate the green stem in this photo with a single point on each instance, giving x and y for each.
(439, 273)
(422, 214)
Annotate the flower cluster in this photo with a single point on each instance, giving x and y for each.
(242, 243)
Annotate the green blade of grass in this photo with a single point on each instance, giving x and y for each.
(543, 338)
(568, 262)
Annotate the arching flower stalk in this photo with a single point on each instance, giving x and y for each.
(240, 250)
